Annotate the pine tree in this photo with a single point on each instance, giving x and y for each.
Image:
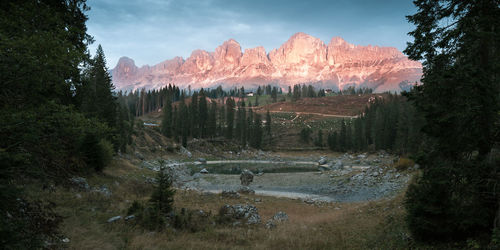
(342, 137)
(256, 138)
(268, 123)
(249, 126)
(212, 120)
(166, 123)
(202, 114)
(193, 115)
(458, 42)
(229, 118)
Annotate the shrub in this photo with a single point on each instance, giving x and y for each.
(403, 164)
(105, 154)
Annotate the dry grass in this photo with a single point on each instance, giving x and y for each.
(343, 105)
(376, 224)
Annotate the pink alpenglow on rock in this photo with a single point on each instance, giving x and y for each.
(301, 59)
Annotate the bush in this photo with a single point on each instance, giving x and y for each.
(403, 164)
(105, 154)
(98, 153)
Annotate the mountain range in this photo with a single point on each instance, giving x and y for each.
(303, 59)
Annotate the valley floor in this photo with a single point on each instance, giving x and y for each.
(370, 222)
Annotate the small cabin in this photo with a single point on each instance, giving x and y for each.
(250, 94)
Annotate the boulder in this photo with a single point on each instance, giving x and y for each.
(230, 194)
(130, 217)
(139, 155)
(280, 217)
(240, 214)
(113, 219)
(246, 177)
(80, 183)
(322, 160)
(338, 165)
(202, 160)
(185, 152)
(204, 171)
(104, 190)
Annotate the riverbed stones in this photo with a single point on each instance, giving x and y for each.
(240, 214)
(246, 177)
(204, 171)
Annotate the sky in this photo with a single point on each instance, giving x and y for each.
(151, 31)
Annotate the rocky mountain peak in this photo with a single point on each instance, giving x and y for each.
(301, 59)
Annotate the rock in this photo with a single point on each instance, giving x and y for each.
(245, 214)
(246, 177)
(280, 217)
(381, 65)
(230, 194)
(246, 190)
(416, 166)
(113, 219)
(185, 152)
(361, 156)
(104, 190)
(139, 155)
(78, 196)
(338, 165)
(130, 217)
(258, 200)
(322, 161)
(197, 175)
(65, 240)
(375, 174)
(270, 224)
(323, 168)
(202, 160)
(80, 183)
(204, 171)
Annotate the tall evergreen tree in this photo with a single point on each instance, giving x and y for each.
(456, 196)
(193, 115)
(203, 114)
(256, 138)
(268, 123)
(229, 118)
(166, 122)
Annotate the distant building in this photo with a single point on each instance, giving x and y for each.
(250, 94)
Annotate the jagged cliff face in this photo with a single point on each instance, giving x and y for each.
(301, 59)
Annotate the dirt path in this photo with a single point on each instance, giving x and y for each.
(312, 113)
